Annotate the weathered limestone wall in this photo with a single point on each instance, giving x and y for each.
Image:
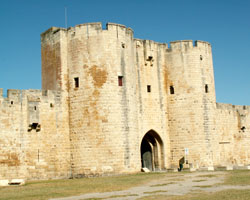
(152, 106)
(103, 115)
(34, 135)
(188, 70)
(54, 59)
(233, 135)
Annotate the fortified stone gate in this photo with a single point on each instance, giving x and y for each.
(111, 103)
(152, 156)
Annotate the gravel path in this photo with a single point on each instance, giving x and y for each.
(172, 184)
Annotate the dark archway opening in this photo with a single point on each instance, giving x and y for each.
(152, 151)
(146, 155)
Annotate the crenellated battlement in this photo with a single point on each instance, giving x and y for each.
(185, 45)
(19, 96)
(87, 29)
(95, 28)
(119, 27)
(93, 25)
(230, 107)
(53, 30)
(141, 42)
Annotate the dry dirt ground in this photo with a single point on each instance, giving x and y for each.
(172, 184)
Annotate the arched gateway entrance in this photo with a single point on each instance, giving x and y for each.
(152, 151)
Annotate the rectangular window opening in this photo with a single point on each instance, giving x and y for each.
(206, 88)
(120, 79)
(149, 88)
(76, 79)
(171, 89)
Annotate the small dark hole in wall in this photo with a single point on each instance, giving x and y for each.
(11, 102)
(149, 88)
(51, 105)
(150, 58)
(34, 107)
(76, 79)
(34, 125)
(123, 45)
(206, 88)
(201, 57)
(171, 89)
(120, 80)
(243, 128)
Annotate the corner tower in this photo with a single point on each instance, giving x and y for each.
(191, 102)
(102, 92)
(94, 67)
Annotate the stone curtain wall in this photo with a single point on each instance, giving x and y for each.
(233, 135)
(34, 136)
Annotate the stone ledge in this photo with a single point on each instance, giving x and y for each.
(4, 182)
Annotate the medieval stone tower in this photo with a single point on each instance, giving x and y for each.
(111, 103)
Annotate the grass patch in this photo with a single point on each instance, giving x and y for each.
(175, 174)
(238, 177)
(118, 196)
(204, 186)
(223, 195)
(208, 176)
(41, 190)
(201, 180)
(176, 179)
(156, 191)
(163, 184)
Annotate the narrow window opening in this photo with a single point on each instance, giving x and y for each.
(206, 88)
(149, 88)
(34, 107)
(201, 57)
(171, 89)
(123, 45)
(51, 105)
(76, 82)
(11, 102)
(120, 78)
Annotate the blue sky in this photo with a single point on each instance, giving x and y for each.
(223, 23)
